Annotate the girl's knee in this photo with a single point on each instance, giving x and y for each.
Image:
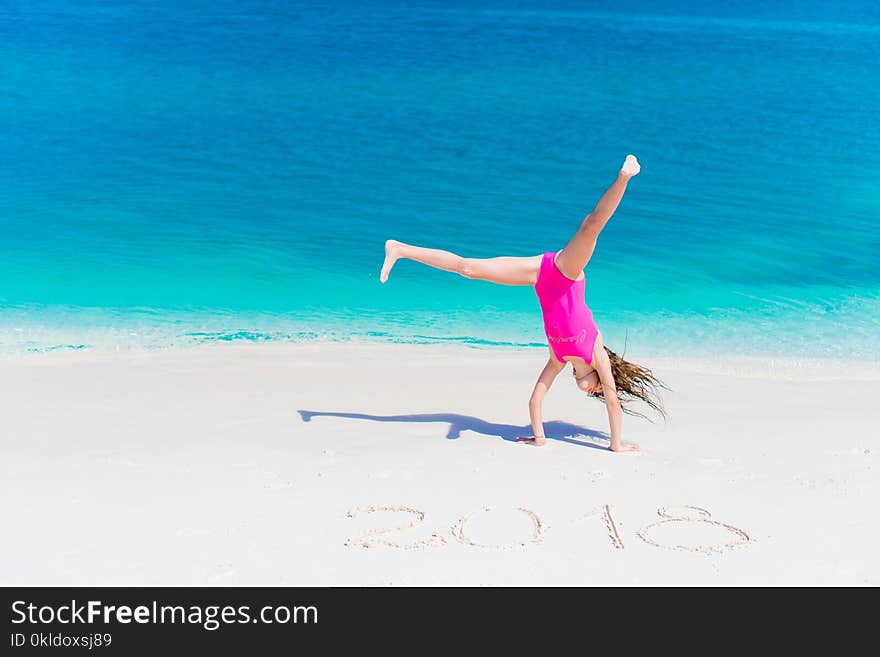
(467, 267)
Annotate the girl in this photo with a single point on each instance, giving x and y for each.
(572, 335)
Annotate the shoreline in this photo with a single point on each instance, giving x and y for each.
(782, 367)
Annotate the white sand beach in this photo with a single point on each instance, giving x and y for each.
(259, 464)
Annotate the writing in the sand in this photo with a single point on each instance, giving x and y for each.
(671, 516)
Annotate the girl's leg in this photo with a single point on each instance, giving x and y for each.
(503, 270)
(577, 253)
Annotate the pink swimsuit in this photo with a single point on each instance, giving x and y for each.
(568, 322)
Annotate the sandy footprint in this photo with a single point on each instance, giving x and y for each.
(221, 572)
(187, 532)
(597, 475)
(274, 481)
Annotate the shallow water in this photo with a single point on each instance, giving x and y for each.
(216, 172)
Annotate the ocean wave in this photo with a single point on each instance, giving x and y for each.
(770, 326)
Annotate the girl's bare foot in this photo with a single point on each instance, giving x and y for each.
(631, 167)
(392, 253)
(531, 440)
(624, 447)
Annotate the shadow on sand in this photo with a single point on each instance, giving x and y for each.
(561, 431)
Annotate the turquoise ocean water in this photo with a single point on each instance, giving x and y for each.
(177, 173)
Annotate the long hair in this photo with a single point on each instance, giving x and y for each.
(635, 382)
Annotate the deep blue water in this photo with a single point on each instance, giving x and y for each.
(185, 172)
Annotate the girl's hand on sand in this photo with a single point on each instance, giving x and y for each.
(631, 167)
(531, 440)
(625, 447)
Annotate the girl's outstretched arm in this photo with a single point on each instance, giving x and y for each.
(602, 363)
(545, 380)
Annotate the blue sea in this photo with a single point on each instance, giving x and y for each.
(188, 172)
